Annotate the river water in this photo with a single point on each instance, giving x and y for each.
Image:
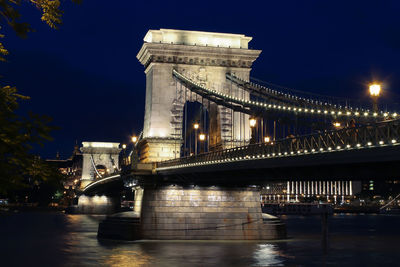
(57, 239)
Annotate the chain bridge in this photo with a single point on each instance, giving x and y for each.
(213, 136)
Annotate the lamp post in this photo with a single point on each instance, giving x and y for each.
(196, 127)
(134, 156)
(253, 123)
(374, 91)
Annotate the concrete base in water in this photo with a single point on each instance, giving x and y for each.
(201, 213)
(95, 205)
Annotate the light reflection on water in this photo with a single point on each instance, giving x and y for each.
(55, 239)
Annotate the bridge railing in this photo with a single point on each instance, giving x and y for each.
(379, 134)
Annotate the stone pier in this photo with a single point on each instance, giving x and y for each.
(96, 205)
(196, 213)
(174, 212)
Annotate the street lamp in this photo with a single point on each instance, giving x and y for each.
(336, 124)
(253, 123)
(134, 139)
(123, 146)
(374, 91)
(196, 127)
(266, 139)
(202, 137)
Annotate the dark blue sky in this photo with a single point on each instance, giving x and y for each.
(86, 76)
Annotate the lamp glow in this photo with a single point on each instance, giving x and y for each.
(253, 122)
(374, 89)
(336, 124)
(202, 137)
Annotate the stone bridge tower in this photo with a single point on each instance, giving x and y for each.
(206, 58)
(98, 154)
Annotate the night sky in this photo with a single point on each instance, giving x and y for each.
(86, 76)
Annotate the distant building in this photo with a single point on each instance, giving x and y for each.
(71, 167)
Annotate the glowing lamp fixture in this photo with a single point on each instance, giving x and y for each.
(196, 126)
(374, 89)
(266, 139)
(123, 146)
(253, 122)
(134, 139)
(336, 124)
(202, 137)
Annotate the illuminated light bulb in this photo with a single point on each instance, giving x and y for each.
(291, 152)
(325, 111)
(319, 111)
(356, 113)
(321, 149)
(338, 147)
(348, 113)
(339, 113)
(348, 146)
(394, 141)
(375, 114)
(381, 142)
(374, 89)
(365, 113)
(369, 143)
(394, 114)
(329, 148)
(313, 150)
(385, 114)
(358, 145)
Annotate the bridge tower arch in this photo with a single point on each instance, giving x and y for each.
(205, 57)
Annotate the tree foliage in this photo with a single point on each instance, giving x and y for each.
(18, 135)
(10, 15)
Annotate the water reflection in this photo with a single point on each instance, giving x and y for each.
(56, 239)
(267, 255)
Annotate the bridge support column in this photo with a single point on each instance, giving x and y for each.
(210, 213)
(97, 204)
